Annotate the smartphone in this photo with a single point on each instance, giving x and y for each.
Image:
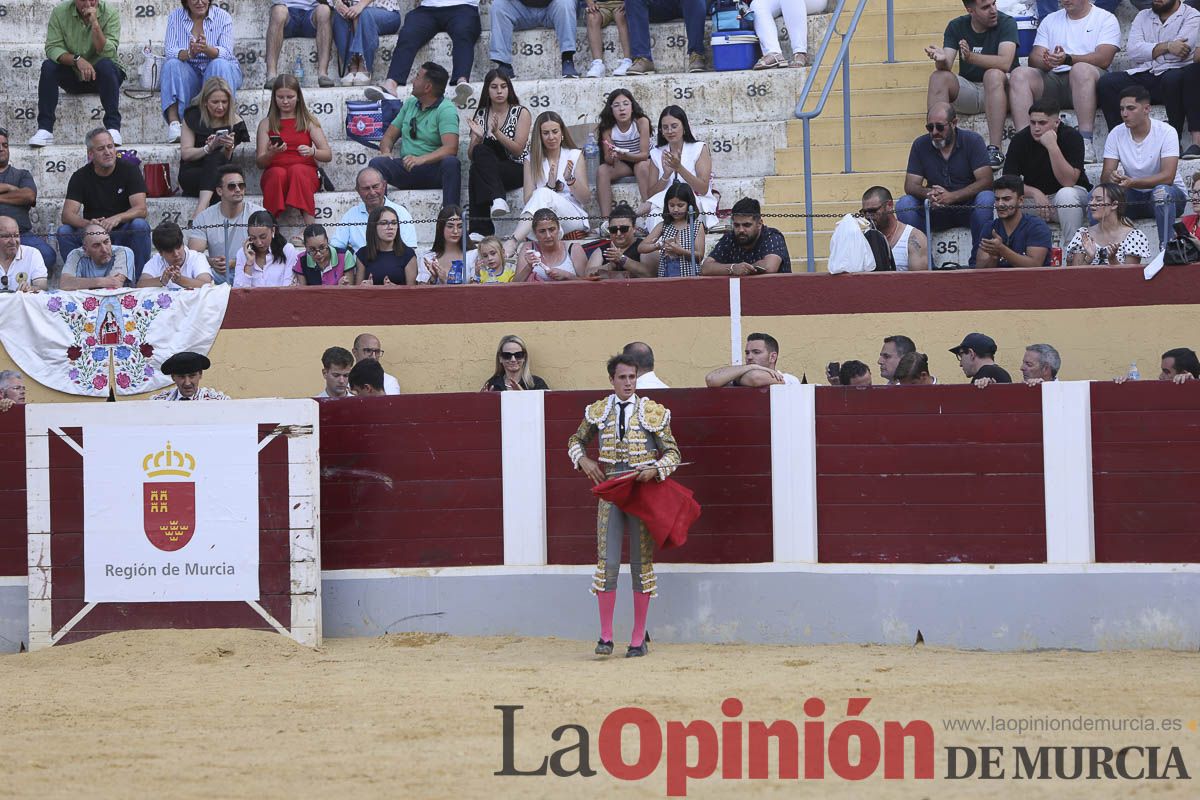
(275, 140)
(225, 132)
(831, 371)
(759, 269)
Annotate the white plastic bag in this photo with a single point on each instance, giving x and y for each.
(848, 248)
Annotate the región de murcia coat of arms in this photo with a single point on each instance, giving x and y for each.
(169, 505)
(109, 328)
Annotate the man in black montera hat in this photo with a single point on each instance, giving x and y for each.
(186, 369)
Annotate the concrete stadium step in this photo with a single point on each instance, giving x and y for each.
(423, 204)
(875, 102)
(908, 47)
(790, 188)
(742, 149)
(831, 158)
(900, 75)
(978, 124)
(709, 98)
(887, 129)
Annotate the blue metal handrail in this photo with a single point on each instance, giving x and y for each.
(840, 62)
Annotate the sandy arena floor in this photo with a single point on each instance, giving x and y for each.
(218, 714)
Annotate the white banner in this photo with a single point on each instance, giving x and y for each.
(170, 513)
(87, 342)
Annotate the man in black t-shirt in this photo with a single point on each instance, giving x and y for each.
(977, 358)
(1048, 156)
(111, 193)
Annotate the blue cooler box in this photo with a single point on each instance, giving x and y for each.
(734, 51)
(1026, 33)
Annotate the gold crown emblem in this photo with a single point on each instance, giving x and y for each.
(168, 462)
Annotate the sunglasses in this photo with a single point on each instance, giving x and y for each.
(936, 126)
(232, 186)
(412, 128)
(4, 281)
(870, 211)
(517, 356)
(620, 228)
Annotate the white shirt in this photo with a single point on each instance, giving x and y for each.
(351, 233)
(273, 273)
(1078, 36)
(26, 267)
(1148, 30)
(1143, 159)
(447, 3)
(390, 384)
(789, 379)
(650, 381)
(194, 265)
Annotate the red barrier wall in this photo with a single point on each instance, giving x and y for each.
(1145, 471)
(930, 475)
(411, 481)
(727, 433)
(14, 556)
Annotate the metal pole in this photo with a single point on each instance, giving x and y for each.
(928, 235)
(808, 222)
(844, 63)
(891, 34)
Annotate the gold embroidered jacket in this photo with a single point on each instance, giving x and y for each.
(648, 439)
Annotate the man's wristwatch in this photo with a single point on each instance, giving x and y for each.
(76, 58)
(624, 261)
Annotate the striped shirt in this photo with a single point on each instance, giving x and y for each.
(218, 32)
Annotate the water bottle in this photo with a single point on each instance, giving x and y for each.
(298, 70)
(146, 68)
(1133, 373)
(591, 154)
(535, 261)
(457, 272)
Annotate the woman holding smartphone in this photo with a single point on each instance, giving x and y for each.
(211, 131)
(290, 143)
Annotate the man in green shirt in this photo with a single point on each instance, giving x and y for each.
(81, 52)
(985, 42)
(427, 127)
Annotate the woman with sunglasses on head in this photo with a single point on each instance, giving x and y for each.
(621, 258)
(679, 158)
(266, 258)
(448, 261)
(498, 149)
(321, 264)
(1112, 239)
(385, 260)
(513, 370)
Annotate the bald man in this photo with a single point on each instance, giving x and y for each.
(98, 264)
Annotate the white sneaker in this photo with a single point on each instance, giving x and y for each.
(116, 136)
(174, 130)
(596, 70)
(623, 66)
(1089, 152)
(362, 79)
(499, 207)
(43, 138)
(348, 78)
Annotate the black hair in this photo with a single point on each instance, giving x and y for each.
(439, 229)
(1139, 93)
(167, 235)
(765, 338)
(680, 191)
(264, 219)
(437, 75)
(608, 121)
(485, 96)
(367, 372)
(623, 210)
(1011, 182)
(229, 169)
(1045, 105)
(337, 357)
(904, 345)
(747, 207)
(1185, 360)
(619, 359)
(849, 370)
(679, 114)
(314, 230)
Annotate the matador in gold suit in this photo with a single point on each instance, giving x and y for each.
(634, 435)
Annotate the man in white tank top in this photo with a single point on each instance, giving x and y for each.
(909, 248)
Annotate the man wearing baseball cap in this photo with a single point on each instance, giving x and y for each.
(186, 369)
(977, 358)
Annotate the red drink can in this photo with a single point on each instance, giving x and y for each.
(1056, 256)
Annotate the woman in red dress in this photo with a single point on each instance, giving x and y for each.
(290, 143)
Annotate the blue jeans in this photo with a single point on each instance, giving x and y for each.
(510, 15)
(422, 24)
(109, 78)
(361, 37)
(911, 211)
(640, 13)
(42, 246)
(182, 80)
(445, 175)
(300, 24)
(1142, 204)
(134, 234)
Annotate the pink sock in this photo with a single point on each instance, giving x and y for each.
(641, 607)
(608, 604)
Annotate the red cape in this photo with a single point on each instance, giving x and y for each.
(668, 508)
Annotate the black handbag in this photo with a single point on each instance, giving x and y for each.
(1183, 249)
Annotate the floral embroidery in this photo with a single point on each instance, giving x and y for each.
(109, 332)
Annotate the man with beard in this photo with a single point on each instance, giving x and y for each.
(751, 248)
(907, 243)
(18, 194)
(1016, 239)
(948, 171)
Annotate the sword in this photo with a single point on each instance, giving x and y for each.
(636, 470)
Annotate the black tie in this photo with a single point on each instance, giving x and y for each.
(621, 420)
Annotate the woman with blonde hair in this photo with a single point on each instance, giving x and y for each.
(514, 372)
(555, 178)
(212, 129)
(290, 143)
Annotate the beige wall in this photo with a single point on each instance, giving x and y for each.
(285, 362)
